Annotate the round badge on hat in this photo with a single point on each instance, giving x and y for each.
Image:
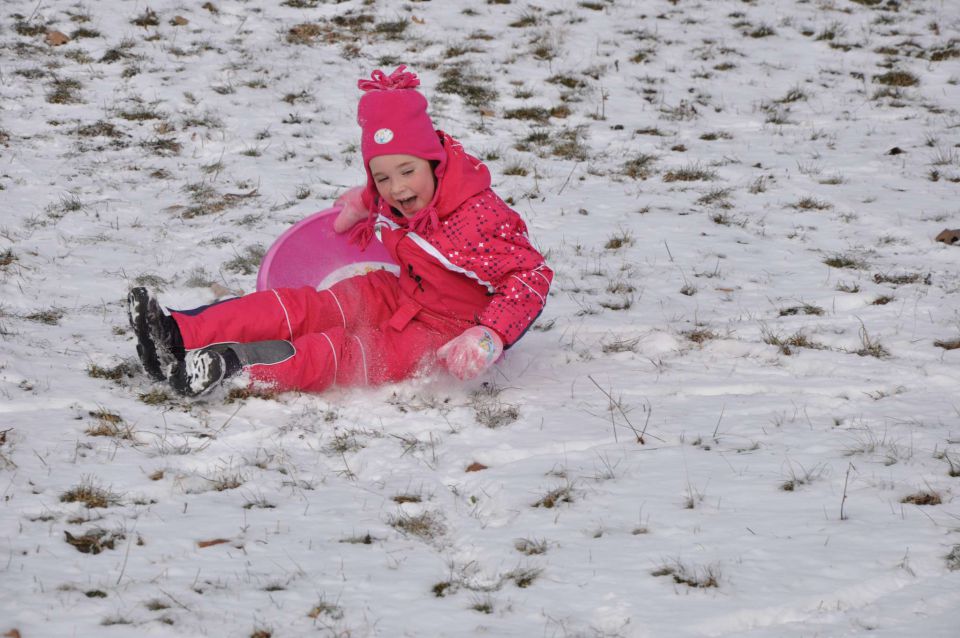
(383, 136)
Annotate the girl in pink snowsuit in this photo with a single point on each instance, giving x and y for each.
(470, 282)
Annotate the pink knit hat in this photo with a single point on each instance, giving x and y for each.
(393, 118)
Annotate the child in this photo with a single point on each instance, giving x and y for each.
(470, 282)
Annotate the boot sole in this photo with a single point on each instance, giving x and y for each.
(137, 309)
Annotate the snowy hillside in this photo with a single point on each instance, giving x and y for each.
(737, 416)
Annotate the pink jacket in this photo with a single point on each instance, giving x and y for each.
(467, 255)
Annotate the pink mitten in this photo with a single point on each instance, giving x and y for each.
(470, 354)
(352, 210)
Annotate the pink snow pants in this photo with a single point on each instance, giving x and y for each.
(361, 331)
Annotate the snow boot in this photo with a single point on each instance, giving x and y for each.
(159, 343)
(203, 370)
(207, 368)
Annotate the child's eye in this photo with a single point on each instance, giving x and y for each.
(409, 172)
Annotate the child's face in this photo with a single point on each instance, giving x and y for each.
(405, 181)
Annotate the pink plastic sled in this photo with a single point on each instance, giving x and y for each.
(311, 253)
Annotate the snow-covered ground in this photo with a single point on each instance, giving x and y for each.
(737, 416)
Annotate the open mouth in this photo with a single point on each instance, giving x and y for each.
(408, 202)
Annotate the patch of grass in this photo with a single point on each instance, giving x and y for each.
(953, 558)
(226, 481)
(832, 180)
(763, 31)
(100, 128)
(620, 345)
(568, 144)
(897, 78)
(719, 197)
(810, 203)
(684, 111)
(118, 53)
(305, 33)
(845, 261)
(426, 525)
(903, 279)
(845, 287)
(804, 478)
(90, 495)
(833, 31)
(473, 89)
(923, 498)
(116, 373)
(84, 32)
(109, 424)
(537, 114)
(803, 309)
(392, 30)
(946, 52)
(248, 262)
(34, 73)
(30, 29)
(793, 95)
(64, 91)
(639, 166)
(620, 288)
(489, 410)
(139, 114)
(457, 50)
(148, 18)
(483, 604)
(787, 344)
(621, 239)
(624, 303)
(155, 397)
(364, 539)
(110, 621)
(324, 609)
(699, 335)
(689, 173)
(93, 541)
(531, 547)
(882, 300)
(759, 185)
(342, 442)
(260, 503)
(713, 136)
(518, 170)
(870, 347)
(50, 317)
(555, 496)
(444, 587)
(566, 81)
(696, 577)
(523, 577)
(525, 20)
(162, 146)
(545, 47)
